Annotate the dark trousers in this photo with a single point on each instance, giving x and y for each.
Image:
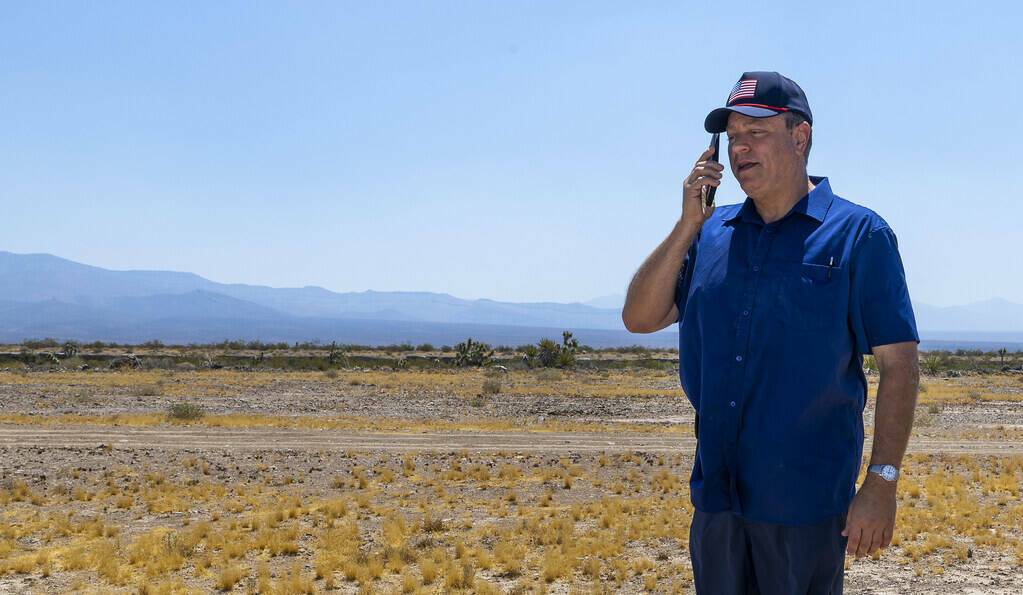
(735, 556)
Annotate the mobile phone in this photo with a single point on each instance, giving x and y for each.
(708, 191)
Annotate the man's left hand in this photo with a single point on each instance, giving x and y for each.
(871, 517)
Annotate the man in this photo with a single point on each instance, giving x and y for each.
(777, 299)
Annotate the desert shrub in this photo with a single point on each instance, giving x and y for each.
(229, 577)
(26, 356)
(432, 524)
(936, 361)
(185, 410)
(459, 576)
(491, 386)
(227, 344)
(428, 568)
(425, 347)
(548, 354)
(472, 353)
(257, 360)
(445, 349)
(635, 349)
(331, 374)
(337, 357)
(70, 349)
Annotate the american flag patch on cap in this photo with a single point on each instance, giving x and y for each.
(742, 89)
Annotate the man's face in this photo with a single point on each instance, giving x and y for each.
(763, 153)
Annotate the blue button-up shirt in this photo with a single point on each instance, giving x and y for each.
(774, 320)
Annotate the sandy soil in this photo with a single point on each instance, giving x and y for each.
(42, 455)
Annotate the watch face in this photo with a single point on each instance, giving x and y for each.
(889, 472)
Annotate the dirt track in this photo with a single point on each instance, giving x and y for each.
(258, 438)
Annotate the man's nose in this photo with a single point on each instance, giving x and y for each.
(738, 143)
(738, 147)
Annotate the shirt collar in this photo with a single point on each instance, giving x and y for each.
(814, 205)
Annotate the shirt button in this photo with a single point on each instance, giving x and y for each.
(745, 312)
(738, 358)
(756, 268)
(732, 404)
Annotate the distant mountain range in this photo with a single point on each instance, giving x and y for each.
(46, 296)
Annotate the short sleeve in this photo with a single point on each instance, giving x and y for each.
(880, 310)
(685, 278)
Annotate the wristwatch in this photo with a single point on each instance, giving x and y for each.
(887, 472)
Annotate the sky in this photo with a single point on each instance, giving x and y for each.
(517, 151)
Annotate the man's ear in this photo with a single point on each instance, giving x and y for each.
(801, 134)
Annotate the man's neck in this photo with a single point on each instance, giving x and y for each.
(773, 208)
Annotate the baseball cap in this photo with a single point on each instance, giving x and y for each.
(760, 95)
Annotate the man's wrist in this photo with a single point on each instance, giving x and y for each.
(688, 228)
(879, 486)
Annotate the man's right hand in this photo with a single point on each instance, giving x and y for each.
(705, 173)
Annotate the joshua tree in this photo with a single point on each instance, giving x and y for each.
(471, 353)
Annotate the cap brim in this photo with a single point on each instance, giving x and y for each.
(717, 120)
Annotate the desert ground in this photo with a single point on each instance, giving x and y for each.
(438, 480)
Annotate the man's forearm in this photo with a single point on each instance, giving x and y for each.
(652, 290)
(871, 517)
(893, 414)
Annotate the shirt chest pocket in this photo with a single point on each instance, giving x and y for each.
(809, 296)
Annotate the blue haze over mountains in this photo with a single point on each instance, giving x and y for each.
(46, 296)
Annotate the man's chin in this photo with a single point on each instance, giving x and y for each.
(748, 187)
